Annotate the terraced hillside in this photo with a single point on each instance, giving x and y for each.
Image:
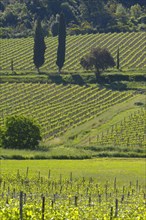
(57, 108)
(132, 51)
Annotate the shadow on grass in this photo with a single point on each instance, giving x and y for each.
(119, 81)
(67, 79)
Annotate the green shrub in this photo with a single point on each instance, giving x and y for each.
(21, 133)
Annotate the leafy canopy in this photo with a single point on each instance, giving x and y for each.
(98, 59)
(21, 133)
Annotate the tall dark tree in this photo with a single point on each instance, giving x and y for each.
(61, 43)
(118, 58)
(39, 46)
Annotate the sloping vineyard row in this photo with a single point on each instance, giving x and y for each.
(132, 50)
(129, 132)
(57, 107)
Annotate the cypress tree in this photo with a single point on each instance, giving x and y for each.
(39, 46)
(118, 59)
(61, 42)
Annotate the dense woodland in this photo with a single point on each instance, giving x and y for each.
(17, 18)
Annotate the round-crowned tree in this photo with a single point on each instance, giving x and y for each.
(98, 59)
(21, 133)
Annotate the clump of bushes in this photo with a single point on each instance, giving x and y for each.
(20, 133)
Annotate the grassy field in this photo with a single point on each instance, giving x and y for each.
(103, 169)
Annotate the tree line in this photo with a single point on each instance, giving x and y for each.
(17, 18)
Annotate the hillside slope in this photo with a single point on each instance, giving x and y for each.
(131, 46)
(60, 108)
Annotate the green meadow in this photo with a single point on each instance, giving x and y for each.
(103, 169)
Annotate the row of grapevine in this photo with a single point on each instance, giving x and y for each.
(38, 197)
(132, 51)
(129, 132)
(56, 107)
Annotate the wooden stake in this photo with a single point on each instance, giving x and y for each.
(76, 201)
(116, 208)
(43, 207)
(21, 205)
(111, 213)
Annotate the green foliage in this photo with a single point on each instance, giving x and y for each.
(21, 133)
(55, 26)
(104, 16)
(1, 135)
(61, 42)
(76, 190)
(39, 46)
(98, 59)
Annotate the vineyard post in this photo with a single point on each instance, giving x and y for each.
(111, 213)
(122, 198)
(137, 185)
(27, 172)
(83, 180)
(39, 175)
(21, 205)
(18, 174)
(118, 58)
(99, 197)
(116, 208)
(52, 203)
(90, 200)
(61, 189)
(60, 179)
(130, 184)
(7, 200)
(43, 207)
(49, 174)
(123, 189)
(71, 176)
(4, 185)
(14, 193)
(115, 183)
(76, 199)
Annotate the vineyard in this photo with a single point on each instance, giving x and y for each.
(77, 121)
(128, 132)
(33, 195)
(132, 51)
(58, 108)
